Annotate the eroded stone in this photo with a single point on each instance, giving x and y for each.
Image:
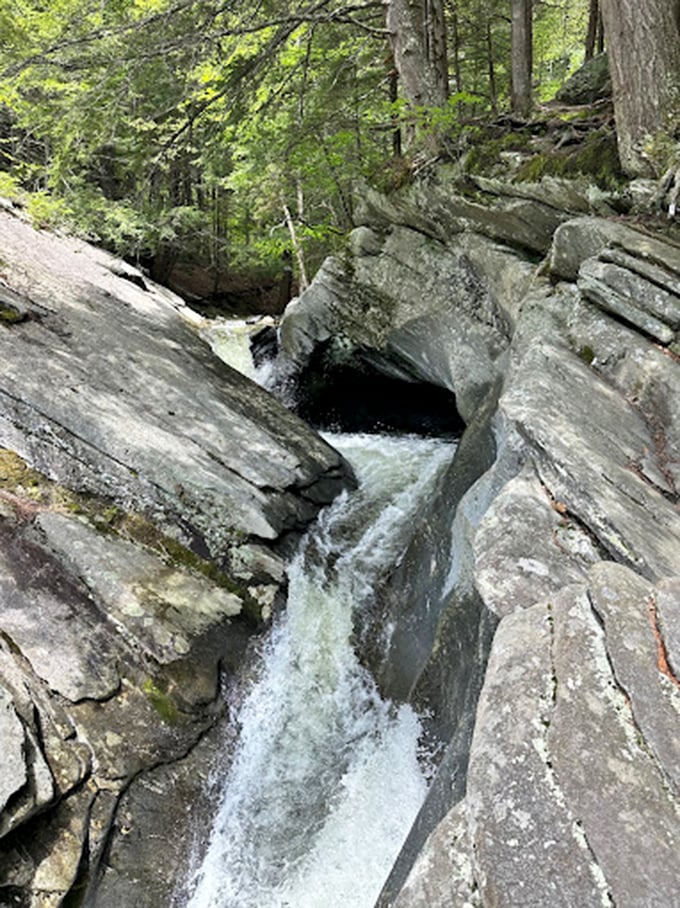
(611, 782)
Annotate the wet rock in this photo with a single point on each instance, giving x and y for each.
(111, 648)
(14, 773)
(143, 412)
(148, 862)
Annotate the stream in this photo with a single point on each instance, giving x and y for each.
(327, 777)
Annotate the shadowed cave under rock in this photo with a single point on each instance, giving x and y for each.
(355, 392)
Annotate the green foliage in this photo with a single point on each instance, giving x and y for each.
(559, 33)
(47, 211)
(167, 129)
(10, 188)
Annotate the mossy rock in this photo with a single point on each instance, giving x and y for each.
(12, 307)
(160, 698)
(486, 152)
(31, 490)
(588, 84)
(597, 158)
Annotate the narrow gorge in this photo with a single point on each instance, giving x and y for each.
(511, 679)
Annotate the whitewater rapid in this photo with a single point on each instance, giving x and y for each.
(327, 777)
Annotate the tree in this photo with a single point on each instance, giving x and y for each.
(594, 36)
(522, 56)
(417, 33)
(643, 44)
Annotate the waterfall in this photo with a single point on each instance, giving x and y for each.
(326, 778)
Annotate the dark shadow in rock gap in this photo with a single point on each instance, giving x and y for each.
(352, 395)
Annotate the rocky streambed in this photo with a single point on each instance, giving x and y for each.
(149, 497)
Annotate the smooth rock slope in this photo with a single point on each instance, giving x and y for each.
(145, 489)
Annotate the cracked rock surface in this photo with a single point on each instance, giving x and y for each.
(557, 534)
(144, 486)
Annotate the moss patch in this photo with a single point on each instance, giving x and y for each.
(27, 490)
(8, 315)
(597, 158)
(161, 700)
(486, 152)
(587, 354)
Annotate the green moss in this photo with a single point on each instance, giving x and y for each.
(137, 528)
(597, 158)
(587, 354)
(485, 153)
(161, 701)
(10, 315)
(33, 487)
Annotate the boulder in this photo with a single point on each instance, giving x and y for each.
(439, 208)
(603, 762)
(632, 297)
(423, 311)
(591, 82)
(144, 489)
(591, 448)
(526, 844)
(515, 570)
(571, 793)
(582, 238)
(560, 518)
(123, 399)
(442, 875)
(15, 774)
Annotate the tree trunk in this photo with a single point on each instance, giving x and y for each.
(456, 52)
(522, 56)
(593, 21)
(297, 247)
(493, 95)
(643, 43)
(436, 46)
(417, 45)
(394, 94)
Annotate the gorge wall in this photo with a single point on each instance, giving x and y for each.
(534, 614)
(553, 548)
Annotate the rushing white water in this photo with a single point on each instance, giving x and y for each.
(230, 340)
(326, 780)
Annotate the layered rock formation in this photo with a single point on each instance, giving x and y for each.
(146, 495)
(554, 548)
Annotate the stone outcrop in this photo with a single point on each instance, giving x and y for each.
(552, 551)
(148, 494)
(534, 615)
